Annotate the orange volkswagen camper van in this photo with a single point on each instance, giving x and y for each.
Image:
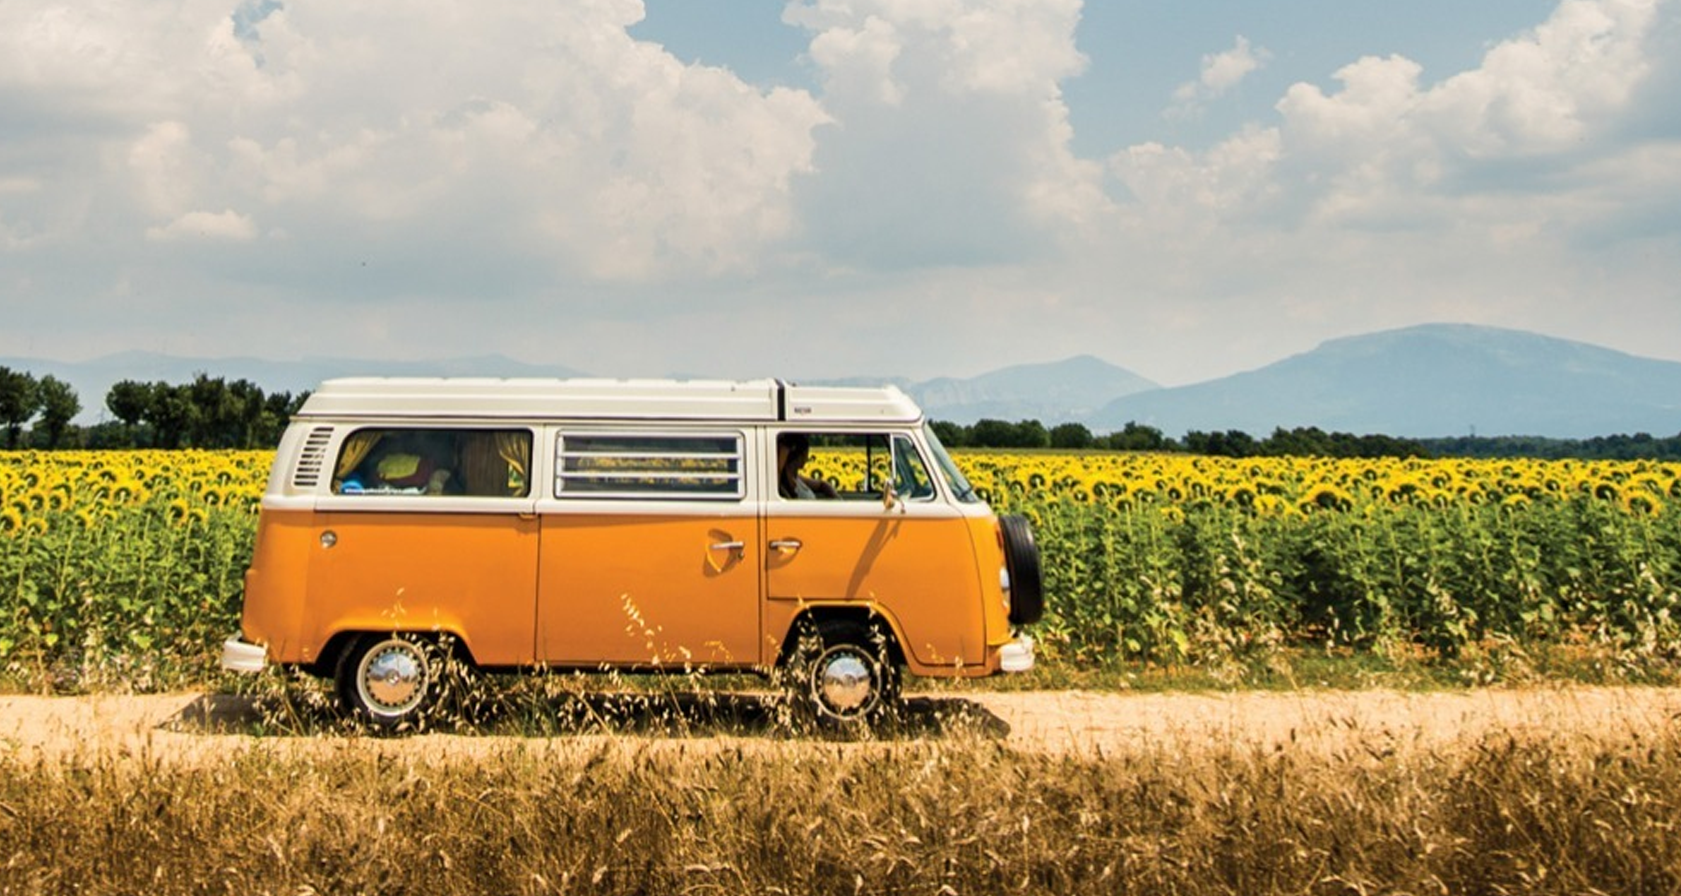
(820, 534)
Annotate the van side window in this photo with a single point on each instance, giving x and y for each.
(484, 463)
(859, 466)
(649, 465)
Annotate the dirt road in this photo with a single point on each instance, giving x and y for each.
(1380, 723)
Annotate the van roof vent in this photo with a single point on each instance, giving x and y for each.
(313, 458)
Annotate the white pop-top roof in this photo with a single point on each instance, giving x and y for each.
(601, 399)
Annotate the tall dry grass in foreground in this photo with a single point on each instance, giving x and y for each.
(1567, 815)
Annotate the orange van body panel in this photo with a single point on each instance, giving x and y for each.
(277, 584)
(989, 560)
(470, 574)
(623, 590)
(920, 572)
(649, 590)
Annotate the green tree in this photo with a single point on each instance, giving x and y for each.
(1031, 434)
(59, 405)
(1231, 443)
(1071, 435)
(952, 435)
(990, 433)
(171, 412)
(1136, 437)
(248, 406)
(19, 400)
(129, 401)
(213, 422)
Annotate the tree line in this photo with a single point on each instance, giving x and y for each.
(208, 412)
(1639, 446)
(1309, 441)
(1306, 441)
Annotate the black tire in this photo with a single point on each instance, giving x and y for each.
(388, 681)
(1021, 556)
(841, 674)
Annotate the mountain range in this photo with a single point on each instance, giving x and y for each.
(1427, 381)
(1423, 381)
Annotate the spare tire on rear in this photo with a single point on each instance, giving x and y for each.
(1021, 557)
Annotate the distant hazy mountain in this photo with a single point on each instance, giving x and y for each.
(1432, 380)
(1050, 393)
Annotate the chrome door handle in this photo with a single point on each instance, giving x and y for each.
(729, 546)
(786, 544)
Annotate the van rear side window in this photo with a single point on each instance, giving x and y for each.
(647, 465)
(484, 463)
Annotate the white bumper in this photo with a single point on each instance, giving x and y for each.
(238, 656)
(1016, 656)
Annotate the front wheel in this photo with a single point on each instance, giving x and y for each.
(387, 680)
(841, 673)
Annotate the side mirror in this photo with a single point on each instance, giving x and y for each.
(890, 497)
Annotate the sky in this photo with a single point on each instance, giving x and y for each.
(833, 188)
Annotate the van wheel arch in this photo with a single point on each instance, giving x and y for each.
(863, 616)
(326, 662)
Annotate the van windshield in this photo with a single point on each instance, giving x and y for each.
(960, 486)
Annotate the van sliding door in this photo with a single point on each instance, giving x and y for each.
(650, 552)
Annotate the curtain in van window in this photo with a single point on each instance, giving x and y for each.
(494, 464)
(355, 450)
(515, 448)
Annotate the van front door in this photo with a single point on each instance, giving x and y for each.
(861, 523)
(650, 552)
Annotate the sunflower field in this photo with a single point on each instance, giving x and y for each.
(1173, 558)
(125, 568)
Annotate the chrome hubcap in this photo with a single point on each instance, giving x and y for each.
(845, 682)
(394, 677)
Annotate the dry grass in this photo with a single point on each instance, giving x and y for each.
(943, 809)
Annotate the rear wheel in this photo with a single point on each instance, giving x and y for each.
(388, 680)
(841, 673)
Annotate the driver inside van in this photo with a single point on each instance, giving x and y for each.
(793, 449)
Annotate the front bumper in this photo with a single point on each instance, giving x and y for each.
(1016, 656)
(239, 656)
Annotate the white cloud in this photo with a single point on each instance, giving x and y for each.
(1385, 147)
(857, 62)
(1546, 92)
(1549, 90)
(1221, 72)
(950, 141)
(223, 226)
(572, 150)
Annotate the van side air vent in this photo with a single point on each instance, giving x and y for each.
(312, 458)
